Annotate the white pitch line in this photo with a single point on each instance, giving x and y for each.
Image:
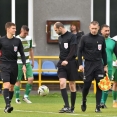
(27, 111)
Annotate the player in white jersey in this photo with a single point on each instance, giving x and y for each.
(28, 51)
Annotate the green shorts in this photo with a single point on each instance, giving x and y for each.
(115, 73)
(29, 72)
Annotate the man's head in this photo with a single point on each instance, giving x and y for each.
(24, 31)
(10, 28)
(74, 27)
(94, 27)
(105, 30)
(59, 28)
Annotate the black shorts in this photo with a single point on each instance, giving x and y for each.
(93, 70)
(9, 72)
(70, 71)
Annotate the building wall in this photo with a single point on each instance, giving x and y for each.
(57, 10)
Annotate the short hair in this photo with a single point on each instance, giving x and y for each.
(94, 23)
(59, 24)
(25, 27)
(76, 25)
(104, 25)
(9, 24)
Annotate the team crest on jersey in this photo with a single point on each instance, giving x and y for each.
(99, 46)
(15, 48)
(65, 45)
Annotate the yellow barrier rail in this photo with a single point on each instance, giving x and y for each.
(40, 70)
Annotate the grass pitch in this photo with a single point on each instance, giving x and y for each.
(48, 106)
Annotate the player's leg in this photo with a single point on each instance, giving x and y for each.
(13, 79)
(29, 75)
(17, 84)
(72, 73)
(62, 80)
(85, 92)
(99, 74)
(5, 76)
(105, 93)
(114, 88)
(64, 95)
(88, 77)
(72, 86)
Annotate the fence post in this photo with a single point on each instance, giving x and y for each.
(40, 70)
(95, 87)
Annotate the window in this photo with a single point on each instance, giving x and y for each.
(5, 15)
(19, 12)
(52, 37)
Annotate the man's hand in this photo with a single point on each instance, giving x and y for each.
(24, 69)
(81, 68)
(106, 69)
(64, 63)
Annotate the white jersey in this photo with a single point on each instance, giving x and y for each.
(27, 44)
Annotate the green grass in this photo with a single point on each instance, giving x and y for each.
(48, 106)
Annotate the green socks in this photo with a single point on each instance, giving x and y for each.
(17, 91)
(28, 89)
(114, 94)
(104, 97)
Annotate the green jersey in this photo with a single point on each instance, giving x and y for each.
(115, 39)
(110, 45)
(27, 44)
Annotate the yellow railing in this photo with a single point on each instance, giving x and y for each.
(40, 70)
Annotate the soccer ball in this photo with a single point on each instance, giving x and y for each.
(43, 90)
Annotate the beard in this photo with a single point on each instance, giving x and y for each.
(106, 36)
(59, 33)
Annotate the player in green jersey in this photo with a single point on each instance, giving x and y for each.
(114, 89)
(27, 44)
(110, 49)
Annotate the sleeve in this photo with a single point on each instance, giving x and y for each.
(73, 40)
(104, 55)
(73, 47)
(21, 51)
(80, 50)
(31, 43)
(115, 49)
(72, 53)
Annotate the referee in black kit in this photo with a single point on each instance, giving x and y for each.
(67, 66)
(92, 46)
(9, 46)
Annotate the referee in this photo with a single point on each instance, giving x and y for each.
(93, 47)
(67, 66)
(9, 45)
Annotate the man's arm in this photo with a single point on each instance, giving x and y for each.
(32, 56)
(80, 50)
(31, 53)
(104, 55)
(72, 53)
(115, 49)
(21, 51)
